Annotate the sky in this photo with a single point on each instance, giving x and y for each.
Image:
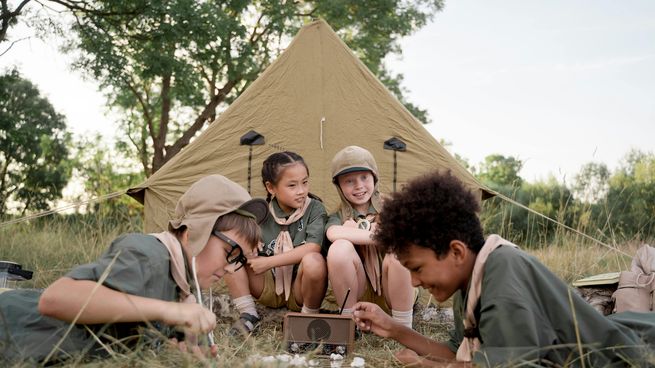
(556, 83)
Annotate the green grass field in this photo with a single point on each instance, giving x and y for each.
(52, 246)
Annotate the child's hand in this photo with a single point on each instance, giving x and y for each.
(193, 318)
(350, 223)
(201, 352)
(371, 318)
(259, 265)
(374, 226)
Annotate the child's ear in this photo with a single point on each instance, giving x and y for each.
(458, 249)
(184, 237)
(269, 187)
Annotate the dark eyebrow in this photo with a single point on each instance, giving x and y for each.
(407, 264)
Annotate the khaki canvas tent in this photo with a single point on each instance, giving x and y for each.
(315, 99)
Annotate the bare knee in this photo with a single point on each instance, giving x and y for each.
(313, 266)
(341, 251)
(390, 262)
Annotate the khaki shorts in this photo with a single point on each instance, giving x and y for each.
(372, 297)
(270, 299)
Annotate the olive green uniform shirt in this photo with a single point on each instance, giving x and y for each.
(309, 229)
(141, 268)
(335, 218)
(526, 313)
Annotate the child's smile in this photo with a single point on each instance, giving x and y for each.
(441, 277)
(358, 188)
(292, 188)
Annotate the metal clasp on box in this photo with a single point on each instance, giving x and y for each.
(11, 271)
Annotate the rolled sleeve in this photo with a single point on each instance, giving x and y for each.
(334, 219)
(316, 224)
(128, 266)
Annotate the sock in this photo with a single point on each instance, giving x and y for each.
(404, 317)
(347, 312)
(246, 304)
(306, 309)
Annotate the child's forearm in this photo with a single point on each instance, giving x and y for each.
(353, 235)
(66, 297)
(422, 345)
(293, 256)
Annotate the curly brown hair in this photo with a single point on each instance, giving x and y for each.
(430, 211)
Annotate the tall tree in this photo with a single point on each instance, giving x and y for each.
(498, 171)
(33, 146)
(630, 206)
(592, 182)
(103, 172)
(180, 62)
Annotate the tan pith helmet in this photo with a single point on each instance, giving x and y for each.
(351, 159)
(208, 199)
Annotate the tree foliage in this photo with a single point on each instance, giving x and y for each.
(613, 207)
(44, 18)
(592, 182)
(499, 171)
(171, 69)
(102, 171)
(630, 199)
(33, 146)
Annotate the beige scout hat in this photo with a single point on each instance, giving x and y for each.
(351, 159)
(208, 199)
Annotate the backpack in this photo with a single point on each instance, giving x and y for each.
(636, 287)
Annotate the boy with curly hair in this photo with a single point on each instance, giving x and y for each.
(508, 307)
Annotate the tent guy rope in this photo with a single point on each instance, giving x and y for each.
(63, 208)
(503, 197)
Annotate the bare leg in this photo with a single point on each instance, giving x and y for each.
(237, 283)
(256, 282)
(397, 284)
(239, 286)
(346, 271)
(311, 281)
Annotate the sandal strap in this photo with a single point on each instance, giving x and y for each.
(249, 318)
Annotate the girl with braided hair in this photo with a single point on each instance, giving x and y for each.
(288, 270)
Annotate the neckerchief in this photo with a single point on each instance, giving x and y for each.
(471, 341)
(178, 265)
(283, 243)
(370, 254)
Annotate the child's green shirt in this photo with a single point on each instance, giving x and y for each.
(527, 313)
(141, 267)
(309, 229)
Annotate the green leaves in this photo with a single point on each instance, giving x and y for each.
(171, 65)
(33, 146)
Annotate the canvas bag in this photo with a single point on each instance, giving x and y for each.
(635, 291)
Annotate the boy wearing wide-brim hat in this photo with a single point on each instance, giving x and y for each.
(142, 280)
(354, 262)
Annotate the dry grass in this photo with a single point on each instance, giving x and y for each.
(51, 247)
(572, 260)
